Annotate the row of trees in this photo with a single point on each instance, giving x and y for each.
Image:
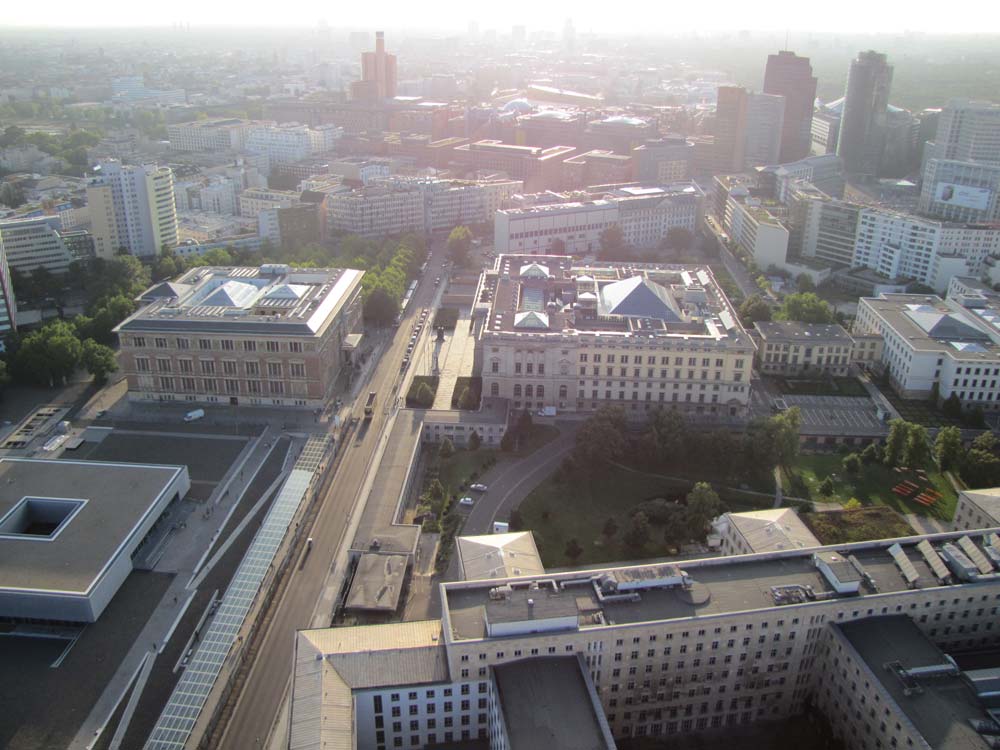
(667, 445)
(613, 246)
(804, 307)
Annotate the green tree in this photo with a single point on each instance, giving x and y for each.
(525, 424)
(424, 397)
(952, 406)
(381, 307)
(11, 195)
(872, 454)
(806, 307)
(918, 451)
(610, 528)
(895, 443)
(948, 448)
(852, 504)
(637, 534)
(980, 469)
(4, 376)
(99, 360)
(612, 243)
(680, 239)
(852, 464)
(703, 504)
(573, 550)
(468, 400)
(753, 309)
(515, 521)
(447, 449)
(50, 355)
(805, 283)
(985, 441)
(507, 441)
(474, 441)
(600, 439)
(459, 245)
(826, 487)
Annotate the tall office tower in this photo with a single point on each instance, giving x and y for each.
(518, 35)
(968, 131)
(8, 306)
(378, 74)
(132, 207)
(747, 128)
(790, 76)
(961, 170)
(866, 111)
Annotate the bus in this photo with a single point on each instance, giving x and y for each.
(370, 405)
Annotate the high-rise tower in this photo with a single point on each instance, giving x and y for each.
(790, 76)
(378, 74)
(866, 112)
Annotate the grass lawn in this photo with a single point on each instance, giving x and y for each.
(857, 525)
(873, 486)
(411, 395)
(558, 512)
(821, 387)
(541, 434)
(456, 470)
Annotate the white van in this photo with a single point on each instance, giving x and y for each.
(194, 416)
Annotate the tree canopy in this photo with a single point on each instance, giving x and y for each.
(459, 245)
(806, 307)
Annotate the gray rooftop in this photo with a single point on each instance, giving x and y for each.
(793, 331)
(270, 299)
(378, 581)
(118, 497)
(941, 711)
(547, 704)
(720, 585)
(379, 519)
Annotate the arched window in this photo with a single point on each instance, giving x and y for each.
(517, 390)
(562, 391)
(494, 389)
(528, 391)
(540, 391)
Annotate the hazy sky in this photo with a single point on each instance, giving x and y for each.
(651, 16)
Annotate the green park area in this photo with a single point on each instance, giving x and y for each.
(857, 525)
(821, 387)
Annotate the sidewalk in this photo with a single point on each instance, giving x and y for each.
(455, 360)
(183, 554)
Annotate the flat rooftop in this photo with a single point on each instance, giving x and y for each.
(930, 324)
(547, 704)
(537, 294)
(719, 586)
(943, 706)
(378, 582)
(269, 299)
(90, 509)
(379, 519)
(793, 331)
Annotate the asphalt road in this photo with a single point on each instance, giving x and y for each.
(265, 686)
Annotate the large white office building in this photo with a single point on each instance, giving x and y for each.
(290, 142)
(226, 134)
(132, 207)
(670, 650)
(377, 211)
(932, 345)
(580, 336)
(531, 223)
(451, 203)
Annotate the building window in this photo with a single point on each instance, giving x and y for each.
(162, 365)
(207, 367)
(227, 345)
(229, 367)
(494, 389)
(276, 387)
(274, 369)
(166, 384)
(142, 364)
(160, 343)
(253, 386)
(250, 346)
(139, 341)
(183, 343)
(204, 344)
(295, 346)
(298, 370)
(273, 346)
(232, 386)
(252, 368)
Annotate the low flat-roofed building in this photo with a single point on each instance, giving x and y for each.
(793, 348)
(490, 421)
(888, 685)
(68, 530)
(510, 555)
(977, 509)
(272, 335)
(547, 703)
(763, 531)
(377, 583)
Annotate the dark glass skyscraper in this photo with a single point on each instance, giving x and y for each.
(790, 76)
(866, 111)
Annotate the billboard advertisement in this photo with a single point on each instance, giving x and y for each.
(975, 198)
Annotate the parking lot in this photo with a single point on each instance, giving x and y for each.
(834, 415)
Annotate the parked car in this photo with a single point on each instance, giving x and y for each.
(466, 501)
(478, 487)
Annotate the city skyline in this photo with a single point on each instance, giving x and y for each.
(588, 17)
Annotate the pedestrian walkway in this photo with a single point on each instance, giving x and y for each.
(455, 359)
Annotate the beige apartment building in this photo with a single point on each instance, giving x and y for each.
(579, 336)
(267, 336)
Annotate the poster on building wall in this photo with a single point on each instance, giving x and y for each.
(975, 198)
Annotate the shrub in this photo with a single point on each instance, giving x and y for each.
(826, 487)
